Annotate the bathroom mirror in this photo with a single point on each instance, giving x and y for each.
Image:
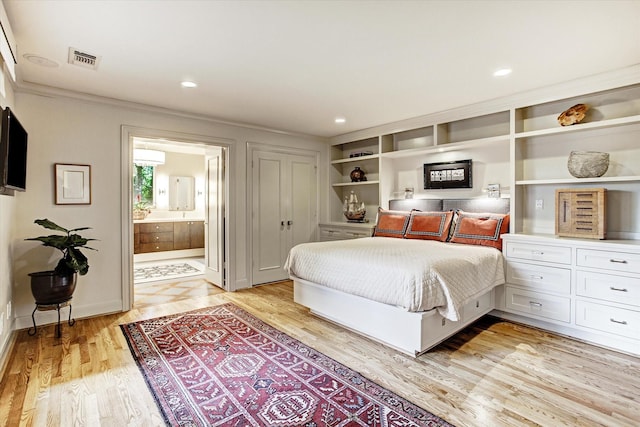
(181, 193)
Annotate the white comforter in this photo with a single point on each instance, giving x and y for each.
(417, 275)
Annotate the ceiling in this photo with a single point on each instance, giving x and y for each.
(297, 65)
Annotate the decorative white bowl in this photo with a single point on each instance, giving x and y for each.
(588, 164)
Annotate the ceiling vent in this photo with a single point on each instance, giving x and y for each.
(83, 59)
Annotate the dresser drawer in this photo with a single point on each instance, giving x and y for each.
(537, 304)
(478, 306)
(609, 260)
(608, 319)
(156, 227)
(356, 234)
(330, 234)
(534, 252)
(608, 287)
(343, 233)
(156, 237)
(539, 277)
(156, 247)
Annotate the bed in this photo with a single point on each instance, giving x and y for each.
(407, 287)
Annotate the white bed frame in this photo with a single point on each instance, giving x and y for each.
(412, 333)
(409, 332)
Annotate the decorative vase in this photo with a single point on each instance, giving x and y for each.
(588, 164)
(49, 287)
(357, 175)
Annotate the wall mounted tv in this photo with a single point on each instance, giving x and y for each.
(13, 153)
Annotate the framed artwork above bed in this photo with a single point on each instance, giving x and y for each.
(443, 175)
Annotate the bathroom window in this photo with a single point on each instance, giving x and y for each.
(143, 179)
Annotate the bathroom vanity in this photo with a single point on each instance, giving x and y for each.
(157, 235)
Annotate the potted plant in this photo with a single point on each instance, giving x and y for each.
(140, 208)
(57, 285)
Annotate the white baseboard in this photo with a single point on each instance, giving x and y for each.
(78, 312)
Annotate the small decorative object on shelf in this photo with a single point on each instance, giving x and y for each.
(573, 115)
(588, 164)
(353, 210)
(357, 175)
(408, 193)
(361, 153)
(581, 212)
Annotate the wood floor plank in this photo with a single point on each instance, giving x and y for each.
(493, 373)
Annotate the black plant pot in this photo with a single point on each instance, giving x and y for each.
(48, 287)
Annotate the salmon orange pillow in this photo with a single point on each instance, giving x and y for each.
(429, 225)
(480, 229)
(391, 223)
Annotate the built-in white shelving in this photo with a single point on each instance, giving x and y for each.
(355, 184)
(525, 140)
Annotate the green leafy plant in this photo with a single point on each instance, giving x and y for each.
(69, 243)
(140, 206)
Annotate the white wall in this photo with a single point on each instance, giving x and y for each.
(7, 232)
(65, 130)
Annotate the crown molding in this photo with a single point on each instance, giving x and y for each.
(595, 83)
(53, 92)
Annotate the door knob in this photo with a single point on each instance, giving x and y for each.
(282, 223)
(289, 222)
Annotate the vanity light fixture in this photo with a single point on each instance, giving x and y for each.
(501, 72)
(187, 83)
(144, 157)
(340, 120)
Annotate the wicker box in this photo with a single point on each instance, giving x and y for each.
(581, 212)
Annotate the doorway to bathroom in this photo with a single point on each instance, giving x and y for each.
(178, 194)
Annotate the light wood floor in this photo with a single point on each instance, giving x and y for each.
(493, 373)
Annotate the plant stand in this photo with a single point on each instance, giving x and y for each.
(52, 306)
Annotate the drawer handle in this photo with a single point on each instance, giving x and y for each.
(535, 304)
(536, 277)
(618, 261)
(537, 252)
(157, 238)
(620, 322)
(618, 289)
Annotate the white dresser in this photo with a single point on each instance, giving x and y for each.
(586, 289)
(344, 230)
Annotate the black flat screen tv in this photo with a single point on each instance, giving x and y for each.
(13, 153)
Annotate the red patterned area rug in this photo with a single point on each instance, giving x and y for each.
(221, 366)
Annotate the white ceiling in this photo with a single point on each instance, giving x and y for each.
(296, 65)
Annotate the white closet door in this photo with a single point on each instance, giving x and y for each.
(284, 203)
(304, 200)
(214, 231)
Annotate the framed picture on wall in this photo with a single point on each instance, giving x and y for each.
(73, 184)
(443, 175)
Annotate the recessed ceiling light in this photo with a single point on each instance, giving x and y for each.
(502, 72)
(40, 60)
(188, 84)
(340, 120)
